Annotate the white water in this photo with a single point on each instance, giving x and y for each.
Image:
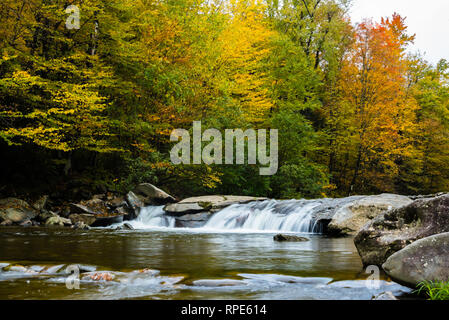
(152, 217)
(270, 215)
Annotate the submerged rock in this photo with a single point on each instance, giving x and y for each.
(218, 283)
(395, 229)
(350, 218)
(426, 259)
(289, 238)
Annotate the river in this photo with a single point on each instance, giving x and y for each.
(158, 261)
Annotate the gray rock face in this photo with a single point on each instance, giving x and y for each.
(153, 195)
(289, 238)
(179, 209)
(351, 217)
(395, 229)
(134, 201)
(135, 204)
(206, 203)
(16, 211)
(196, 220)
(424, 259)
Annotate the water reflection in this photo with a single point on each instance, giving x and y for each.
(192, 255)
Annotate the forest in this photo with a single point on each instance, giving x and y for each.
(91, 109)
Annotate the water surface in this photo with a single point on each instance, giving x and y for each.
(184, 264)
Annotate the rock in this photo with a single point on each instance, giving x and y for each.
(94, 206)
(107, 221)
(196, 220)
(87, 219)
(40, 203)
(133, 201)
(218, 283)
(153, 195)
(101, 196)
(6, 223)
(127, 226)
(179, 209)
(426, 259)
(385, 296)
(350, 218)
(395, 229)
(16, 210)
(44, 215)
(289, 238)
(58, 221)
(80, 209)
(26, 223)
(206, 203)
(80, 226)
(116, 202)
(126, 211)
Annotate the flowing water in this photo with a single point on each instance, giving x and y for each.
(233, 256)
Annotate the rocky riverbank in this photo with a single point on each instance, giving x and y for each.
(393, 231)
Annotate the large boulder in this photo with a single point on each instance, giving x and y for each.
(151, 194)
(16, 211)
(350, 218)
(180, 209)
(395, 229)
(206, 203)
(426, 259)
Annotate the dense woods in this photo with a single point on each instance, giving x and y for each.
(88, 109)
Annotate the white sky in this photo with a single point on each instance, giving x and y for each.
(428, 19)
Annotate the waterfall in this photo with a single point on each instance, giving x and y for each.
(269, 215)
(151, 217)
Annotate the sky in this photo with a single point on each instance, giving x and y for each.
(428, 19)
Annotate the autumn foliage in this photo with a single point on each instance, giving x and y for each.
(356, 111)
